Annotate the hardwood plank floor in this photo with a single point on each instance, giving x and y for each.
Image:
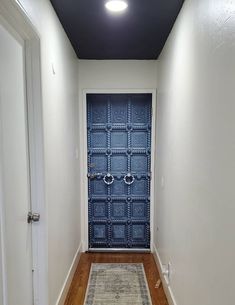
(78, 287)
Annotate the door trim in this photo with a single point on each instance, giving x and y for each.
(16, 21)
(83, 157)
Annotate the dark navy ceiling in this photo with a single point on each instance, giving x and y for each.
(138, 33)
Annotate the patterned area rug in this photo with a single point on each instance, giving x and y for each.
(117, 284)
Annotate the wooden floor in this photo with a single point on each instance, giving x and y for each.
(77, 290)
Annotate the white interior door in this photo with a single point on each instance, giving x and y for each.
(16, 254)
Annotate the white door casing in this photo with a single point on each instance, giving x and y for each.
(15, 174)
(83, 158)
(14, 19)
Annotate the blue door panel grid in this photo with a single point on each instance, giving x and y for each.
(119, 170)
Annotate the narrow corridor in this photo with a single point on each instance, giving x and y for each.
(155, 173)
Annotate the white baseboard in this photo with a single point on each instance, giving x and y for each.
(166, 286)
(83, 246)
(69, 277)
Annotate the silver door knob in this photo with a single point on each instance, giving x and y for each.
(129, 179)
(108, 179)
(33, 217)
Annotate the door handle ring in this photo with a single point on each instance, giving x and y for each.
(129, 179)
(108, 179)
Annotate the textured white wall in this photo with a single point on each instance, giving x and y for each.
(60, 95)
(196, 154)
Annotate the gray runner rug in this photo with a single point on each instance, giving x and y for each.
(117, 284)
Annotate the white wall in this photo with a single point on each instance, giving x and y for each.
(108, 74)
(117, 74)
(60, 95)
(196, 154)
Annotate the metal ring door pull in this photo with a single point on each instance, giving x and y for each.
(129, 179)
(108, 179)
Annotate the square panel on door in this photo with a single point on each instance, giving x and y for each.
(98, 139)
(119, 188)
(138, 232)
(119, 233)
(99, 161)
(140, 111)
(99, 209)
(119, 210)
(99, 232)
(119, 163)
(98, 188)
(139, 139)
(119, 139)
(139, 210)
(119, 111)
(139, 163)
(140, 188)
(98, 113)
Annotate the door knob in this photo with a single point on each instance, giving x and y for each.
(129, 179)
(33, 217)
(108, 179)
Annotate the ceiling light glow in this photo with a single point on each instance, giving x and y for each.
(116, 6)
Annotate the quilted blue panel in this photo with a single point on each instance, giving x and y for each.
(139, 139)
(99, 231)
(139, 210)
(139, 163)
(119, 210)
(138, 232)
(119, 139)
(100, 210)
(98, 188)
(119, 188)
(99, 111)
(140, 113)
(119, 232)
(100, 162)
(119, 162)
(140, 187)
(99, 139)
(119, 111)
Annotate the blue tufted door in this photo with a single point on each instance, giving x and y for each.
(119, 157)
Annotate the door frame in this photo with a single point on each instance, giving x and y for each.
(15, 20)
(83, 157)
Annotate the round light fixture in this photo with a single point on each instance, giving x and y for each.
(116, 6)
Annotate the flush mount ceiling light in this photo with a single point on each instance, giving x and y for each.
(116, 6)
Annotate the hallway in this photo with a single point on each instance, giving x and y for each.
(117, 133)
